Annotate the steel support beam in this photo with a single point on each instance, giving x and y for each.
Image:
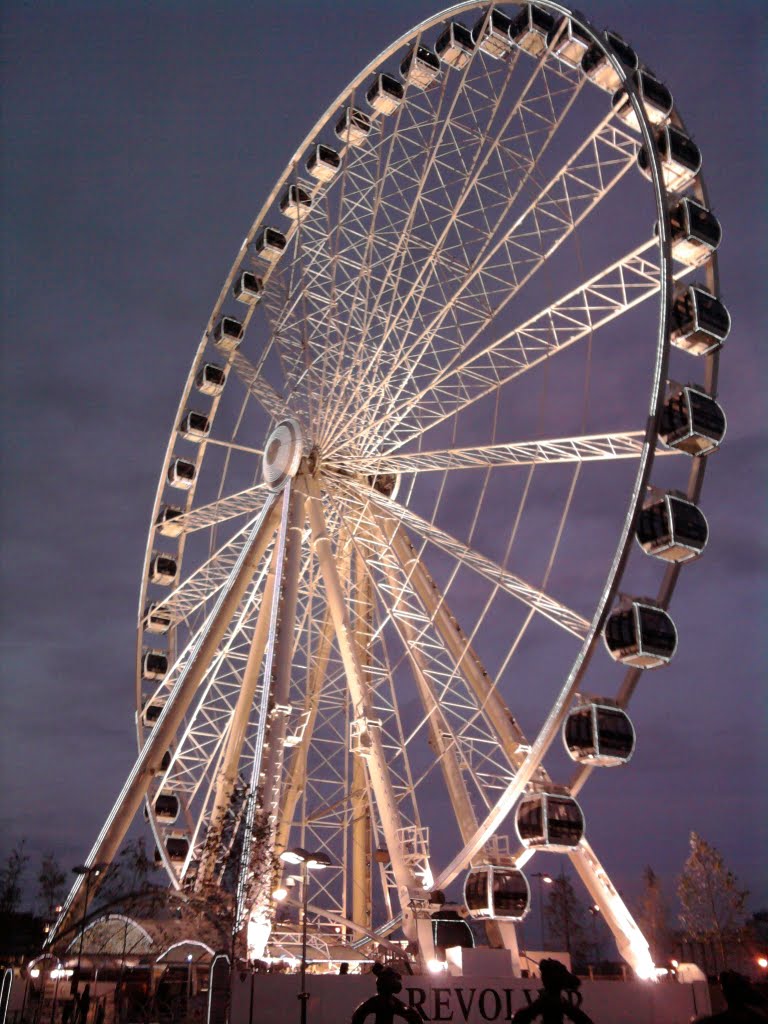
(629, 939)
(176, 707)
(414, 925)
(228, 771)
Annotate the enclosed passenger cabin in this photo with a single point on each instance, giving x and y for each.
(700, 323)
(385, 94)
(449, 929)
(680, 159)
(296, 202)
(195, 426)
(598, 68)
(420, 67)
(156, 618)
(151, 711)
(166, 808)
(491, 34)
(247, 288)
(691, 422)
(210, 379)
(552, 821)
(696, 232)
(655, 98)
(572, 45)
(353, 127)
(672, 528)
(270, 244)
(455, 46)
(529, 29)
(166, 521)
(181, 474)
(640, 634)
(162, 569)
(599, 734)
(177, 848)
(227, 334)
(154, 664)
(496, 893)
(323, 163)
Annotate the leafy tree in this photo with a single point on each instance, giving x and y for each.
(565, 915)
(713, 906)
(10, 879)
(653, 916)
(51, 881)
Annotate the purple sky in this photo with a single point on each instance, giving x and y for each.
(141, 140)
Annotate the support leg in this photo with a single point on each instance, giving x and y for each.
(177, 705)
(629, 939)
(408, 887)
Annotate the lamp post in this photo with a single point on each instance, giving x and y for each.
(594, 910)
(92, 870)
(544, 879)
(314, 861)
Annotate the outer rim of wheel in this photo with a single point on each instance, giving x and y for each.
(620, 557)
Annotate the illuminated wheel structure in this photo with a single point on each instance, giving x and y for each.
(413, 464)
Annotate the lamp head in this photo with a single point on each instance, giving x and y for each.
(298, 855)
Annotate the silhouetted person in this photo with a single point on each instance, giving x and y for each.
(98, 1017)
(344, 968)
(745, 1004)
(84, 1005)
(385, 1004)
(552, 1007)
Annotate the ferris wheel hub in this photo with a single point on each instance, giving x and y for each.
(283, 452)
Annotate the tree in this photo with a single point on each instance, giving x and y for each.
(50, 881)
(713, 906)
(10, 879)
(565, 918)
(652, 916)
(132, 874)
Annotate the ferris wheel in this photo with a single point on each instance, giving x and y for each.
(413, 496)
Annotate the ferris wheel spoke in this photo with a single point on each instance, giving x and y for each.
(590, 448)
(252, 378)
(489, 701)
(606, 296)
(204, 516)
(208, 579)
(571, 195)
(341, 358)
(411, 183)
(467, 240)
(457, 733)
(542, 603)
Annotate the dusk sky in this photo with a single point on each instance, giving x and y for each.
(140, 140)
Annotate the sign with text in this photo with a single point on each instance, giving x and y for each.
(273, 999)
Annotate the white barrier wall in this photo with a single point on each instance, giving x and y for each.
(272, 999)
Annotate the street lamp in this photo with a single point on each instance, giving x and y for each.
(315, 862)
(89, 870)
(546, 879)
(594, 910)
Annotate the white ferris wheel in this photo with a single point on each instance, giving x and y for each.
(412, 497)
